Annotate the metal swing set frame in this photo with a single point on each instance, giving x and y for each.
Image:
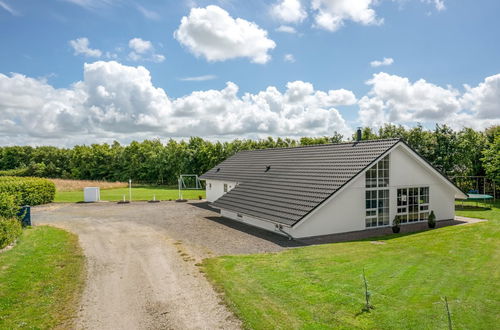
(182, 183)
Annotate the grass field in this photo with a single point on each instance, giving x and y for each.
(140, 193)
(321, 287)
(41, 279)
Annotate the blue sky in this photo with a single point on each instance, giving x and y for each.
(432, 48)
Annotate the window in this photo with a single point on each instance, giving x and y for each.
(412, 204)
(371, 177)
(377, 208)
(378, 174)
(225, 187)
(377, 200)
(210, 186)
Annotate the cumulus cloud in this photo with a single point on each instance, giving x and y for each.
(143, 50)
(81, 46)
(115, 101)
(396, 99)
(385, 62)
(140, 46)
(32, 107)
(212, 33)
(331, 14)
(289, 11)
(484, 99)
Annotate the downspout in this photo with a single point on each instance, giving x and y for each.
(280, 228)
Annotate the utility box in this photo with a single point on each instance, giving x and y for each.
(25, 214)
(91, 194)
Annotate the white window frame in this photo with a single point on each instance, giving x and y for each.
(377, 188)
(422, 205)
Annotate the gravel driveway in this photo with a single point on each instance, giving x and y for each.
(142, 261)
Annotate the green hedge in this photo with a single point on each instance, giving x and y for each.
(9, 205)
(28, 191)
(10, 230)
(24, 171)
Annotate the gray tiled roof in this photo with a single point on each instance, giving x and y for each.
(299, 179)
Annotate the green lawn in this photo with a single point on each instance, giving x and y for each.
(142, 193)
(321, 287)
(41, 279)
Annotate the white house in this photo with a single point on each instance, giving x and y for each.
(327, 189)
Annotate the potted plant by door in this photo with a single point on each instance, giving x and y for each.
(395, 225)
(431, 220)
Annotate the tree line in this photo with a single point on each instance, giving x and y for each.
(466, 152)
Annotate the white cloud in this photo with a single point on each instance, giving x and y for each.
(439, 4)
(385, 62)
(199, 78)
(398, 100)
(289, 58)
(331, 14)
(123, 99)
(289, 11)
(81, 46)
(149, 14)
(140, 46)
(211, 32)
(115, 101)
(30, 107)
(484, 99)
(8, 8)
(286, 29)
(143, 50)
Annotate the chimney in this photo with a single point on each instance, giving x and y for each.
(358, 134)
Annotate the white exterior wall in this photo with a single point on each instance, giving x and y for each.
(345, 211)
(407, 172)
(215, 188)
(264, 224)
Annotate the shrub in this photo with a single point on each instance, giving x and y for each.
(31, 191)
(9, 205)
(23, 171)
(10, 229)
(395, 225)
(431, 220)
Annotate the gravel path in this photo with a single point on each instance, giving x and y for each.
(142, 262)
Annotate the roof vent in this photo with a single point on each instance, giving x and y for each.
(268, 167)
(217, 170)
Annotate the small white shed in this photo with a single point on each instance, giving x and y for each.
(91, 194)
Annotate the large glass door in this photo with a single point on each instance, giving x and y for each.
(412, 204)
